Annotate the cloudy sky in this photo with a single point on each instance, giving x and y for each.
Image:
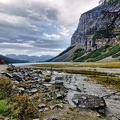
(39, 27)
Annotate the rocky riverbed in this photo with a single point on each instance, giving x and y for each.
(63, 89)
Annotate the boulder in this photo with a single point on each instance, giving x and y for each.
(90, 102)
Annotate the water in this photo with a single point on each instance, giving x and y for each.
(25, 64)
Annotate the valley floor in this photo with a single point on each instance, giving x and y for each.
(97, 79)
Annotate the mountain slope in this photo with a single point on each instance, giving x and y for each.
(65, 56)
(30, 58)
(111, 52)
(10, 60)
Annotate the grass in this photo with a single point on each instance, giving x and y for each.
(116, 55)
(111, 52)
(81, 64)
(99, 54)
(3, 107)
(92, 54)
(112, 82)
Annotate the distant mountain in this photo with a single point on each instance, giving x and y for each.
(10, 60)
(30, 58)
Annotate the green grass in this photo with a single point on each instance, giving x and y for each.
(4, 107)
(116, 55)
(79, 52)
(92, 54)
(111, 52)
(99, 54)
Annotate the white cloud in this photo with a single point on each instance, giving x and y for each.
(16, 44)
(52, 36)
(63, 31)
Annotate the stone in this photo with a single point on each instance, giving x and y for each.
(8, 75)
(58, 78)
(41, 105)
(41, 110)
(58, 106)
(90, 102)
(52, 107)
(46, 109)
(50, 119)
(48, 78)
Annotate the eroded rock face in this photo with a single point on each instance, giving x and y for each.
(90, 22)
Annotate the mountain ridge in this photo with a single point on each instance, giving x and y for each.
(30, 58)
(10, 60)
(88, 34)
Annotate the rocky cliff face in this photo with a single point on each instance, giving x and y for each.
(90, 22)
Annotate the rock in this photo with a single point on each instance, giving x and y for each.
(41, 105)
(48, 78)
(76, 101)
(56, 106)
(41, 110)
(8, 75)
(90, 102)
(36, 119)
(46, 109)
(59, 106)
(21, 89)
(78, 89)
(50, 119)
(47, 85)
(58, 78)
(18, 78)
(98, 115)
(52, 107)
(58, 84)
(59, 96)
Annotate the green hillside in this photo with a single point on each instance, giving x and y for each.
(99, 54)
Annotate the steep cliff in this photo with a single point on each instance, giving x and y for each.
(89, 23)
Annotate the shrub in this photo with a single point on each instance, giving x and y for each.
(5, 88)
(3, 107)
(116, 55)
(111, 52)
(92, 54)
(23, 108)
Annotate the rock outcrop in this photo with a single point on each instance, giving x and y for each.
(90, 22)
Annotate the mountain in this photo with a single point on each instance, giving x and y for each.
(92, 36)
(10, 60)
(29, 58)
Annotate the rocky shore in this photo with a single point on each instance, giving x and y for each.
(54, 90)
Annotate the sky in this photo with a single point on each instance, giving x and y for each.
(39, 27)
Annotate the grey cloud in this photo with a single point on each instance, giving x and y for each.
(26, 22)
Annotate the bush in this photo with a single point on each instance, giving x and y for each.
(23, 108)
(5, 88)
(78, 53)
(92, 54)
(116, 55)
(3, 107)
(111, 52)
